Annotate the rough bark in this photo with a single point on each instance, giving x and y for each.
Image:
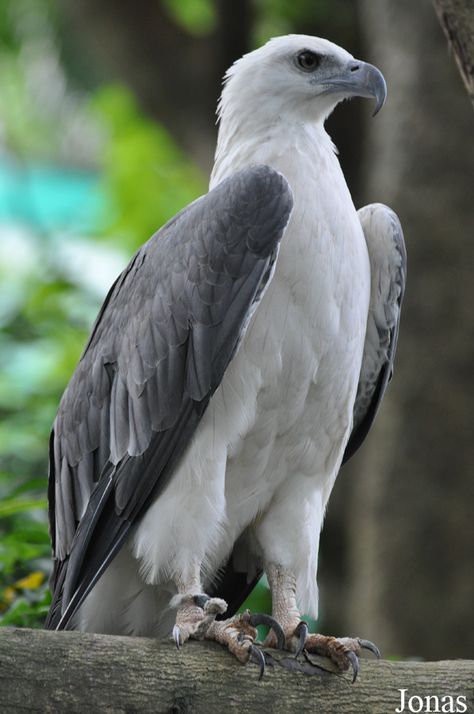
(457, 20)
(411, 534)
(73, 672)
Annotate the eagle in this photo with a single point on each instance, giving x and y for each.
(236, 363)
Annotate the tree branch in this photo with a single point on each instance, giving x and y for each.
(73, 672)
(457, 20)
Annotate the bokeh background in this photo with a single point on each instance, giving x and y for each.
(107, 128)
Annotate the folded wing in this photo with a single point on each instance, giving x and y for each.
(158, 350)
(387, 254)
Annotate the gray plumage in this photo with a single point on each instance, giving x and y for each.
(387, 256)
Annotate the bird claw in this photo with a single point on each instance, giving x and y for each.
(368, 645)
(301, 632)
(343, 652)
(348, 648)
(263, 619)
(177, 636)
(354, 660)
(257, 656)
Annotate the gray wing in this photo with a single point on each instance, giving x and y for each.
(387, 254)
(158, 350)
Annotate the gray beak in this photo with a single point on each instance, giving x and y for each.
(360, 79)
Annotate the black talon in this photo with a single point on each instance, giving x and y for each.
(301, 632)
(368, 645)
(353, 659)
(269, 621)
(257, 656)
(200, 600)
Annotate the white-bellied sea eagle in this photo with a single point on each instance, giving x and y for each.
(235, 364)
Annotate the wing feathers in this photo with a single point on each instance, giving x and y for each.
(387, 255)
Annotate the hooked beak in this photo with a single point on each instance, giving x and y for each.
(360, 79)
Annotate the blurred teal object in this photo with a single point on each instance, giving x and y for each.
(50, 197)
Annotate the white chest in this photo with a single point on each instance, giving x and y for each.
(286, 400)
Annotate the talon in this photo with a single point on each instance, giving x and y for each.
(302, 633)
(176, 636)
(257, 656)
(368, 645)
(353, 659)
(269, 621)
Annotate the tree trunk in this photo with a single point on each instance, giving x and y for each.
(457, 20)
(73, 672)
(411, 533)
(175, 75)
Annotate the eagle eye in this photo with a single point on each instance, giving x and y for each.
(308, 61)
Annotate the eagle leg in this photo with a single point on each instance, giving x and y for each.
(343, 651)
(195, 615)
(196, 619)
(239, 634)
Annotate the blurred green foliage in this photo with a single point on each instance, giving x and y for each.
(40, 339)
(24, 553)
(198, 17)
(146, 178)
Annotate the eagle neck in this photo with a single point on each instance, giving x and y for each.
(291, 148)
